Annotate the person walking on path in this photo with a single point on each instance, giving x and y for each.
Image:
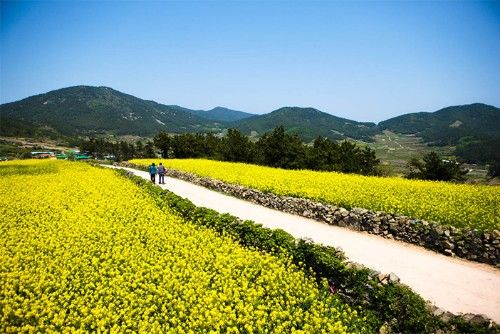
(152, 172)
(161, 174)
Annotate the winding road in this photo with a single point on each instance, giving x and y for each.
(452, 284)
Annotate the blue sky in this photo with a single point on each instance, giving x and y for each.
(366, 61)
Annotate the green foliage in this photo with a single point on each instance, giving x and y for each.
(85, 110)
(122, 150)
(494, 169)
(344, 157)
(193, 145)
(237, 147)
(162, 142)
(277, 149)
(448, 125)
(472, 128)
(221, 114)
(394, 305)
(435, 168)
(12, 127)
(282, 150)
(483, 151)
(308, 123)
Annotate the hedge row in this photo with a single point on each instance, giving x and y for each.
(389, 308)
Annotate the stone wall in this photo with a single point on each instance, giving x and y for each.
(468, 244)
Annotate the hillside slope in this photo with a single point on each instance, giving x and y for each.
(473, 129)
(308, 123)
(221, 114)
(86, 110)
(448, 125)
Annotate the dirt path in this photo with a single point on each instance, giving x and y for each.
(452, 284)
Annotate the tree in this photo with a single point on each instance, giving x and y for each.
(186, 145)
(346, 157)
(322, 155)
(237, 147)
(279, 149)
(433, 167)
(149, 150)
(162, 141)
(369, 162)
(494, 169)
(139, 149)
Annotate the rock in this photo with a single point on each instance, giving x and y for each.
(393, 278)
(383, 278)
(393, 227)
(437, 311)
(447, 245)
(446, 317)
(469, 244)
(354, 265)
(477, 319)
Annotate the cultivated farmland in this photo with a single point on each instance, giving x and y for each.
(459, 205)
(85, 250)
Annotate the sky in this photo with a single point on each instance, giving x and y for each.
(366, 61)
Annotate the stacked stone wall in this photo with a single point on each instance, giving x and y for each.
(468, 244)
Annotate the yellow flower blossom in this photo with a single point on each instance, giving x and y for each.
(84, 250)
(460, 205)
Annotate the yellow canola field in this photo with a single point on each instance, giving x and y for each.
(459, 205)
(82, 249)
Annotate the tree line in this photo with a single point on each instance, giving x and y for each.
(120, 151)
(275, 149)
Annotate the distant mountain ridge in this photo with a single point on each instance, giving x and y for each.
(91, 111)
(221, 114)
(448, 125)
(87, 110)
(308, 123)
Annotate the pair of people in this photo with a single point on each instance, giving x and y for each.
(153, 170)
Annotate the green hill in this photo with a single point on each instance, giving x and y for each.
(89, 111)
(86, 110)
(308, 123)
(474, 129)
(447, 126)
(221, 114)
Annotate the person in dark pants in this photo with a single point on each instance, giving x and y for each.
(152, 172)
(161, 174)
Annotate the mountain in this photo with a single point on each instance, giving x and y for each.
(86, 110)
(308, 123)
(473, 129)
(221, 114)
(449, 125)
